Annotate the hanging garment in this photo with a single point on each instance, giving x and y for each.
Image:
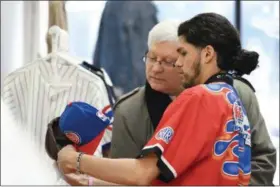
(35, 98)
(122, 41)
(105, 78)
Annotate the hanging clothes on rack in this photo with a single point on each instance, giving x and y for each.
(122, 41)
(39, 91)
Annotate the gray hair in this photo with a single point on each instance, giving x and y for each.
(163, 31)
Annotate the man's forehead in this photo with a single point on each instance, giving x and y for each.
(183, 44)
(164, 44)
(167, 49)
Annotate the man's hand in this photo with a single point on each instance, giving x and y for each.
(67, 158)
(76, 180)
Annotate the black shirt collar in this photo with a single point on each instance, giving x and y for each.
(221, 77)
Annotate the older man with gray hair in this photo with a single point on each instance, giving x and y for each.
(138, 113)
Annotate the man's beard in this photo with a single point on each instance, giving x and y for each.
(190, 81)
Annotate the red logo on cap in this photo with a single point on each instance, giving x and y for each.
(74, 137)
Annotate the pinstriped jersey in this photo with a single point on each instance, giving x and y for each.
(35, 99)
(203, 138)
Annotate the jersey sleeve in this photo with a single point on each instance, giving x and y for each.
(185, 135)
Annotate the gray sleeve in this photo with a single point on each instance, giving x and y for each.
(263, 151)
(122, 145)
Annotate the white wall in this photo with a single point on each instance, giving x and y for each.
(11, 36)
(24, 26)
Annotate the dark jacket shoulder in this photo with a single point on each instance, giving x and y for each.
(131, 98)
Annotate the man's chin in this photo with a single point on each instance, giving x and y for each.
(187, 85)
(157, 87)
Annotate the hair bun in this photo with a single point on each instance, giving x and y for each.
(246, 61)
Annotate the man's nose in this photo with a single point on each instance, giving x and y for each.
(178, 63)
(157, 67)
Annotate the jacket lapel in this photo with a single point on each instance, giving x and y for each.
(157, 102)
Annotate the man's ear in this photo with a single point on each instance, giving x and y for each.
(208, 54)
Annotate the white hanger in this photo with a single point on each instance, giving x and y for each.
(59, 42)
(54, 31)
(60, 39)
(60, 48)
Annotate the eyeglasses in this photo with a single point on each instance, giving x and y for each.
(147, 59)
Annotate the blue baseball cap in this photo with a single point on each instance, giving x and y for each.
(84, 125)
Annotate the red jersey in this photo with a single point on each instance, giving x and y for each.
(203, 138)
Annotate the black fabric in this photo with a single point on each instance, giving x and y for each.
(221, 77)
(92, 67)
(228, 78)
(157, 102)
(165, 173)
(97, 71)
